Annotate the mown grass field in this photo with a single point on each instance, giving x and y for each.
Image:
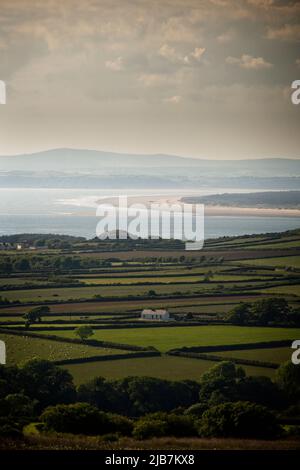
(166, 338)
(22, 348)
(164, 367)
(276, 355)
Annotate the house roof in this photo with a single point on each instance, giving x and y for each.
(154, 312)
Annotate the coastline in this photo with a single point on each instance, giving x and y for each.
(210, 210)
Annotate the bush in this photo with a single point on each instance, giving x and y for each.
(241, 420)
(83, 418)
(119, 424)
(165, 424)
(10, 431)
(78, 418)
(196, 410)
(147, 428)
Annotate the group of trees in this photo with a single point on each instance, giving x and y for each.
(224, 403)
(35, 315)
(264, 312)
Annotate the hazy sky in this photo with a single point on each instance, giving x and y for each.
(190, 77)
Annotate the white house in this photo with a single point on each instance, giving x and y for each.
(161, 315)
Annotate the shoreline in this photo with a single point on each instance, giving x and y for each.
(211, 210)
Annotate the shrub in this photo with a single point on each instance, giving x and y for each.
(10, 431)
(165, 424)
(119, 424)
(196, 410)
(147, 428)
(78, 418)
(83, 418)
(240, 419)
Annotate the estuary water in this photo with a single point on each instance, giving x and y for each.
(73, 212)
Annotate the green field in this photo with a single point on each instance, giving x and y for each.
(293, 290)
(292, 261)
(22, 348)
(164, 367)
(69, 293)
(276, 355)
(166, 338)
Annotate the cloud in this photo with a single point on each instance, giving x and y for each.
(115, 65)
(287, 32)
(169, 53)
(196, 54)
(249, 62)
(226, 37)
(176, 99)
(261, 3)
(152, 79)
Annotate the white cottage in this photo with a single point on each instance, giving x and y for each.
(160, 315)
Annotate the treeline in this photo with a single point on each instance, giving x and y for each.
(264, 312)
(224, 403)
(61, 263)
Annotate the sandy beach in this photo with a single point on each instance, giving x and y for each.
(211, 210)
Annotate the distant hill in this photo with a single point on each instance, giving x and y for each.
(93, 161)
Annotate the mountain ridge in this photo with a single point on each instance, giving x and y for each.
(68, 160)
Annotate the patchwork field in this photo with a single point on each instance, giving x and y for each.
(100, 288)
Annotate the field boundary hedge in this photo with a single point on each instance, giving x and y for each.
(234, 347)
(111, 357)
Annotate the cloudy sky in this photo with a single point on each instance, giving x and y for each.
(209, 79)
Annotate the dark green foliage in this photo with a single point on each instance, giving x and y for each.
(219, 384)
(43, 381)
(77, 418)
(288, 379)
(196, 410)
(165, 424)
(145, 429)
(136, 396)
(263, 312)
(83, 418)
(240, 419)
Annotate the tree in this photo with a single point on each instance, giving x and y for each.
(288, 379)
(84, 332)
(240, 314)
(35, 315)
(22, 265)
(219, 384)
(44, 381)
(274, 310)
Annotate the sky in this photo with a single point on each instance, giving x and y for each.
(206, 79)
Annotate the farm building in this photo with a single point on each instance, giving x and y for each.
(161, 315)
